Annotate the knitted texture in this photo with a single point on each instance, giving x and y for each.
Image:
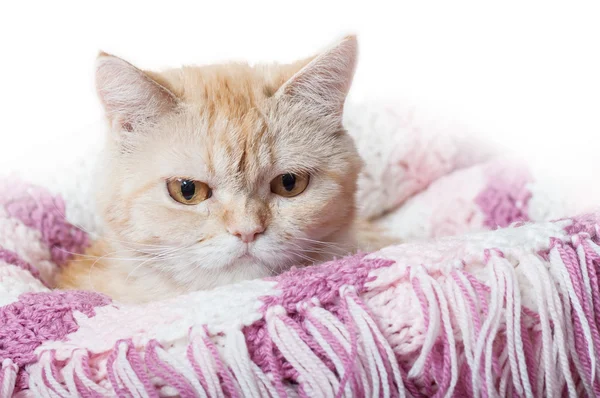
(487, 298)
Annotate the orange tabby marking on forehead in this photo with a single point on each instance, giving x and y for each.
(228, 89)
(230, 95)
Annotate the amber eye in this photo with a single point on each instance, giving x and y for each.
(188, 192)
(289, 185)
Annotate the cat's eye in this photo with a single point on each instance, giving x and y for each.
(188, 192)
(289, 185)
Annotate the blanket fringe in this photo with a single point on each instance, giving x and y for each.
(8, 378)
(529, 326)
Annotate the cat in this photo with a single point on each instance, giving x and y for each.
(221, 173)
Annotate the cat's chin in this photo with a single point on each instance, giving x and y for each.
(242, 268)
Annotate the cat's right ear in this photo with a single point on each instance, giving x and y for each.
(323, 84)
(129, 96)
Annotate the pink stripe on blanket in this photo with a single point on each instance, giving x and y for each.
(39, 209)
(40, 317)
(10, 257)
(504, 200)
(27, 243)
(584, 223)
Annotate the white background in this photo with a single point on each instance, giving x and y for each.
(524, 74)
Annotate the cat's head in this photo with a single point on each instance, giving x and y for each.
(229, 170)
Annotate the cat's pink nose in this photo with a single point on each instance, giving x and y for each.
(247, 234)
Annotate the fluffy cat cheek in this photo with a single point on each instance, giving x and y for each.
(318, 217)
(169, 226)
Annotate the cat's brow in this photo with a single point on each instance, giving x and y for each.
(252, 141)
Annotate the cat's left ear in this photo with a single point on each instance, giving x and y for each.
(324, 83)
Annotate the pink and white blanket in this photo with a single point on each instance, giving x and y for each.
(487, 297)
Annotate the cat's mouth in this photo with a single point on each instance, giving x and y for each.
(245, 251)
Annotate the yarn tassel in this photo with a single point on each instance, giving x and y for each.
(344, 341)
(374, 363)
(275, 370)
(8, 378)
(586, 258)
(431, 321)
(553, 322)
(562, 266)
(484, 345)
(229, 383)
(437, 323)
(126, 371)
(332, 347)
(588, 255)
(515, 345)
(43, 378)
(466, 313)
(464, 331)
(204, 364)
(177, 374)
(375, 342)
(450, 364)
(250, 378)
(77, 377)
(314, 376)
(356, 351)
(505, 376)
(37, 384)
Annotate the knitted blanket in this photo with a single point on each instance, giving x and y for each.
(486, 298)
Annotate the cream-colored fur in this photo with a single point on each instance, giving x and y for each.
(235, 128)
